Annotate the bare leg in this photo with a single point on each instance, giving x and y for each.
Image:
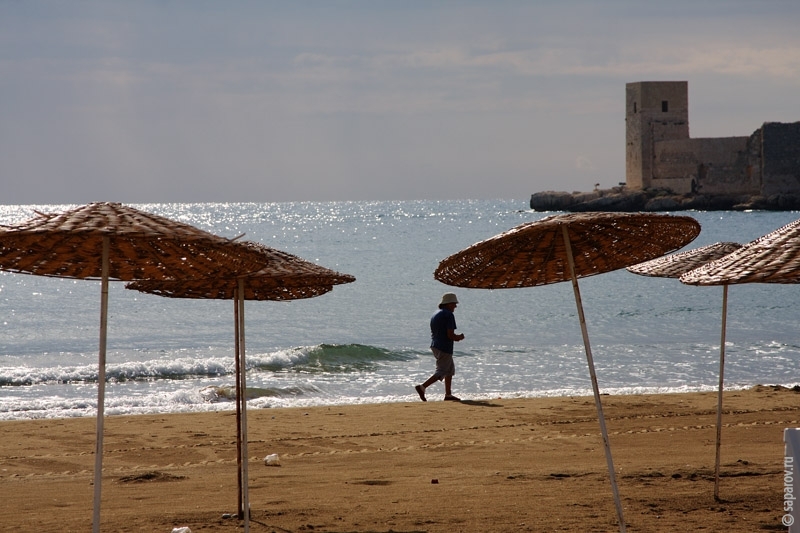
(431, 380)
(448, 380)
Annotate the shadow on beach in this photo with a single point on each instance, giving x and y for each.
(481, 403)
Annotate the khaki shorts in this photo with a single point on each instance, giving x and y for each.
(445, 366)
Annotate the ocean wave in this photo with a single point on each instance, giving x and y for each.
(329, 358)
(323, 358)
(227, 393)
(158, 369)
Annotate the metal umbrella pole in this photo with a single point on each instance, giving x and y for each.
(593, 376)
(101, 387)
(237, 370)
(243, 372)
(719, 393)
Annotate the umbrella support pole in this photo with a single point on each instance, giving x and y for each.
(237, 370)
(593, 376)
(719, 393)
(243, 425)
(101, 387)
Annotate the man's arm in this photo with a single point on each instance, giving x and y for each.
(451, 334)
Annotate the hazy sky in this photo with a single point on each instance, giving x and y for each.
(183, 101)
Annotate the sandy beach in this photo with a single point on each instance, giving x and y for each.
(491, 465)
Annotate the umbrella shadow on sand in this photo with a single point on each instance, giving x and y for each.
(564, 248)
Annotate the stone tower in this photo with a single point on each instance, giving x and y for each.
(654, 111)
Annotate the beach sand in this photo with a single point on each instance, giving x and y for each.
(492, 465)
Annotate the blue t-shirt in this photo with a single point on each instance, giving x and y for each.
(441, 321)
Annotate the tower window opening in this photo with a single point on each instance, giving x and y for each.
(664, 106)
(634, 107)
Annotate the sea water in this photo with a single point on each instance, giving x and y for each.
(367, 341)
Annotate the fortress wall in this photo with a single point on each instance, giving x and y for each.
(651, 96)
(781, 157)
(654, 111)
(635, 153)
(725, 166)
(675, 166)
(661, 155)
(707, 166)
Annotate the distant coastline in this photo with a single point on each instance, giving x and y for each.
(622, 199)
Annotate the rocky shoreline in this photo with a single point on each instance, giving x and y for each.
(622, 199)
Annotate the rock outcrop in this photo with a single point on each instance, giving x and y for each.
(621, 199)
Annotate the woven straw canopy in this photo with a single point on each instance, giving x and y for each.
(772, 258)
(283, 277)
(534, 253)
(141, 245)
(675, 265)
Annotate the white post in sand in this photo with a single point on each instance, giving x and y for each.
(719, 393)
(243, 368)
(592, 374)
(101, 386)
(237, 370)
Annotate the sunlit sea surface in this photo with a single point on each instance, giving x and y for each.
(367, 342)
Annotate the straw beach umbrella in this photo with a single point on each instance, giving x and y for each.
(283, 277)
(676, 265)
(772, 258)
(105, 241)
(564, 248)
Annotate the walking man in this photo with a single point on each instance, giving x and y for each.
(443, 335)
